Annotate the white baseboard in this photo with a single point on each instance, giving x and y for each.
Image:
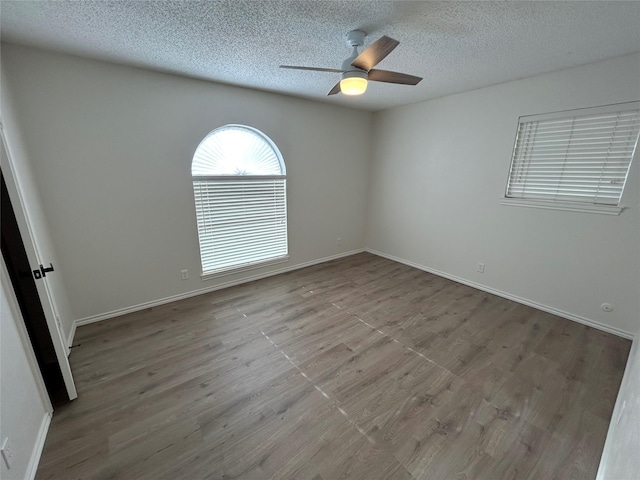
(193, 293)
(38, 448)
(508, 296)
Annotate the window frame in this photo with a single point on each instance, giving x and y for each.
(564, 204)
(236, 181)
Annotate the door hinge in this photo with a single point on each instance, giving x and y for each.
(38, 274)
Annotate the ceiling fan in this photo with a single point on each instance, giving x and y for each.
(358, 68)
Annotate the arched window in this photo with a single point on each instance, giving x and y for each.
(239, 185)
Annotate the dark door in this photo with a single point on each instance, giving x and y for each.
(23, 283)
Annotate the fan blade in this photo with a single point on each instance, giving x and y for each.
(335, 89)
(375, 53)
(315, 69)
(393, 77)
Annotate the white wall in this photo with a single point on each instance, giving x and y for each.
(111, 147)
(439, 171)
(20, 172)
(25, 412)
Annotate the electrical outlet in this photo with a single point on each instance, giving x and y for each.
(480, 268)
(7, 454)
(184, 274)
(339, 241)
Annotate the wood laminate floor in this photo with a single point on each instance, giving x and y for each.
(359, 368)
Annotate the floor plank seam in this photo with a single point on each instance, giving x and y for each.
(332, 402)
(403, 345)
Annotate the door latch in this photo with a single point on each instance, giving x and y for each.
(38, 274)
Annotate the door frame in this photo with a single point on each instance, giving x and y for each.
(33, 254)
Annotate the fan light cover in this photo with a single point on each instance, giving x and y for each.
(353, 85)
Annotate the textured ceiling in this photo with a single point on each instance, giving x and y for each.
(455, 46)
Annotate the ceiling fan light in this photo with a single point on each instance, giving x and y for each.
(353, 83)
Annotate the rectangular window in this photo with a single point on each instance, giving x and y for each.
(241, 222)
(580, 158)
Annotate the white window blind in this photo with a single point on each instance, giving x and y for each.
(239, 189)
(577, 156)
(240, 222)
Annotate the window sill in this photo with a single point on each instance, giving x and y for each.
(566, 206)
(243, 268)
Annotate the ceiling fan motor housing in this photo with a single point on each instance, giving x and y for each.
(350, 69)
(355, 72)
